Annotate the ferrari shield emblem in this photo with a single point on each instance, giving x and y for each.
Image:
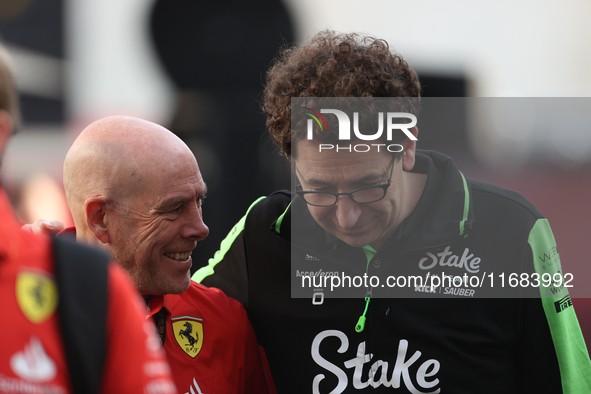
(36, 295)
(188, 332)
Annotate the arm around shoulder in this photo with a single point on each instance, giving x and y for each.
(227, 270)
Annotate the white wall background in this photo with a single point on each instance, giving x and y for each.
(506, 47)
(112, 68)
(515, 48)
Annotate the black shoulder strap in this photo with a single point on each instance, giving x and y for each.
(81, 274)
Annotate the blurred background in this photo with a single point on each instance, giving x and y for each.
(197, 68)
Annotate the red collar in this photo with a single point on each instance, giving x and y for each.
(155, 304)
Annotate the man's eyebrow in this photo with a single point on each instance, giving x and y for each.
(317, 182)
(374, 177)
(179, 200)
(172, 202)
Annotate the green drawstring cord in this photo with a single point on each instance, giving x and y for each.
(361, 322)
(369, 254)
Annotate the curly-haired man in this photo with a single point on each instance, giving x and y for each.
(388, 213)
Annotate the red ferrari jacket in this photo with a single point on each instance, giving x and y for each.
(209, 342)
(32, 358)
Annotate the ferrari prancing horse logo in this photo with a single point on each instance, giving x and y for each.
(37, 295)
(188, 332)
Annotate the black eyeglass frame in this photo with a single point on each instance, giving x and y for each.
(383, 186)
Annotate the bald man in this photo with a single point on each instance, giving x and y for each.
(57, 336)
(135, 188)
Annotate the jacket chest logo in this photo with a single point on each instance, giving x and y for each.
(188, 332)
(447, 258)
(36, 295)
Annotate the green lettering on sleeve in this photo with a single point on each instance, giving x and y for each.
(573, 358)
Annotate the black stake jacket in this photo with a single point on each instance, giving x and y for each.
(497, 329)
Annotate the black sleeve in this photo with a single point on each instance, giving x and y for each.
(228, 270)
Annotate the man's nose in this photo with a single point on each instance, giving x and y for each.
(347, 212)
(195, 228)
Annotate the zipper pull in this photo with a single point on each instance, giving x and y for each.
(361, 322)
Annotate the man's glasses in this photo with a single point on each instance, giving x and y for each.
(365, 195)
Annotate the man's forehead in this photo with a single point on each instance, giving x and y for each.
(309, 155)
(344, 151)
(345, 167)
(168, 167)
(184, 192)
(166, 176)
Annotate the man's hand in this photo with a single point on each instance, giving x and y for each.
(41, 226)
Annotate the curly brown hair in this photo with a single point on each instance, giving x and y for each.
(333, 65)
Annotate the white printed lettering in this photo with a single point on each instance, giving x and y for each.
(378, 371)
(446, 258)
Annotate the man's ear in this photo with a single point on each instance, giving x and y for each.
(95, 210)
(5, 129)
(408, 157)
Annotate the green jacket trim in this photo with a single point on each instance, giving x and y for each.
(280, 219)
(466, 206)
(225, 245)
